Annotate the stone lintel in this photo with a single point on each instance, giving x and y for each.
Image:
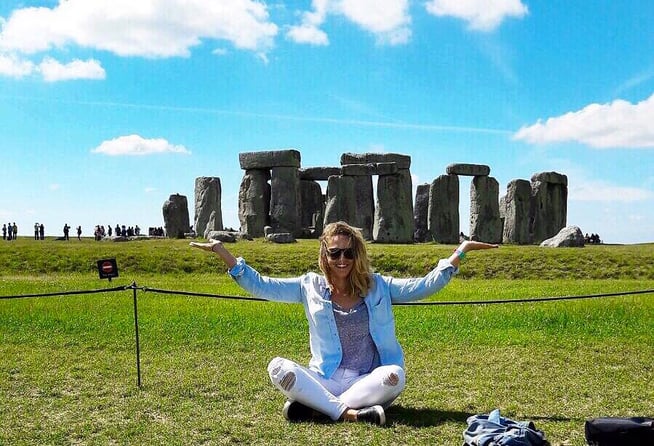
(358, 170)
(269, 159)
(388, 168)
(550, 177)
(318, 173)
(403, 161)
(469, 170)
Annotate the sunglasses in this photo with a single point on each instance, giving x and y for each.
(335, 253)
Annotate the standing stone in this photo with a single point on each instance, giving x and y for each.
(394, 211)
(176, 217)
(364, 198)
(208, 211)
(254, 202)
(313, 206)
(549, 205)
(502, 212)
(485, 223)
(285, 199)
(340, 205)
(420, 213)
(516, 212)
(443, 214)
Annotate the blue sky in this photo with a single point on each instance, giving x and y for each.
(107, 107)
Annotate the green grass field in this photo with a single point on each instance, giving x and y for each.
(68, 367)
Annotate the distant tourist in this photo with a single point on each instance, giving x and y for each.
(4, 232)
(42, 231)
(66, 231)
(79, 233)
(36, 230)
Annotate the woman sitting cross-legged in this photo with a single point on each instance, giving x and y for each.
(357, 365)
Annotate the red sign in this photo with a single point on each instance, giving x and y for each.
(107, 268)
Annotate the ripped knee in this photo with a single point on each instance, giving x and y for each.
(394, 377)
(281, 373)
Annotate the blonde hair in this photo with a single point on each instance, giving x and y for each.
(361, 275)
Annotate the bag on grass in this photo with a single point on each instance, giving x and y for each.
(495, 430)
(608, 431)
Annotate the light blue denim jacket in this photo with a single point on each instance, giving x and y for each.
(311, 290)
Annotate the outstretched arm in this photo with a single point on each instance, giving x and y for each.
(467, 246)
(217, 247)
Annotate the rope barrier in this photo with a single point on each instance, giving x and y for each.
(215, 296)
(66, 293)
(524, 300)
(440, 302)
(133, 286)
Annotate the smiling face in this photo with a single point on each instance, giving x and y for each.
(341, 266)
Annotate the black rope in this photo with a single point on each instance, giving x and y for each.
(524, 300)
(67, 293)
(258, 299)
(215, 296)
(440, 302)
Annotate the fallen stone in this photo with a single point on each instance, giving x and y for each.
(281, 237)
(223, 236)
(568, 237)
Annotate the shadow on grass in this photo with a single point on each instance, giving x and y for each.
(425, 417)
(411, 416)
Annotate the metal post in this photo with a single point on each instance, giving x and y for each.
(136, 331)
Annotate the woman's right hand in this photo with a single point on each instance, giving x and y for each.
(217, 247)
(207, 246)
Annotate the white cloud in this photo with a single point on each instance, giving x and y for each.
(388, 20)
(607, 192)
(308, 33)
(220, 52)
(481, 15)
(619, 124)
(53, 70)
(137, 145)
(13, 66)
(155, 28)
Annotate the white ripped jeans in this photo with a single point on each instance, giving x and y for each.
(345, 389)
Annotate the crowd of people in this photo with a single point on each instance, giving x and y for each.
(119, 231)
(593, 238)
(9, 231)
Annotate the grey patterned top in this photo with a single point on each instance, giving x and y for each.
(359, 351)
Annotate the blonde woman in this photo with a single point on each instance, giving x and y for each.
(357, 365)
